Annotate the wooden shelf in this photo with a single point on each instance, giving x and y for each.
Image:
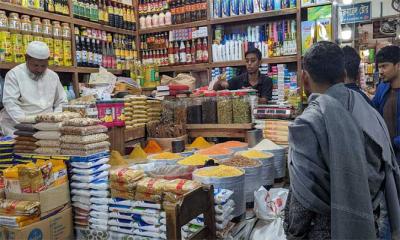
(272, 60)
(8, 66)
(99, 26)
(34, 12)
(95, 70)
(219, 126)
(254, 16)
(316, 5)
(174, 27)
(185, 68)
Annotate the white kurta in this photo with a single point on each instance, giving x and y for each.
(23, 96)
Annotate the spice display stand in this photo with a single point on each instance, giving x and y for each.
(119, 136)
(219, 130)
(199, 201)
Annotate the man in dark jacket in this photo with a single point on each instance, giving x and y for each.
(387, 97)
(352, 65)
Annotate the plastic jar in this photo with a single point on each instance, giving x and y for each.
(47, 31)
(14, 23)
(66, 31)
(5, 42)
(209, 108)
(119, 116)
(58, 44)
(241, 108)
(3, 20)
(26, 29)
(224, 107)
(194, 115)
(67, 45)
(37, 29)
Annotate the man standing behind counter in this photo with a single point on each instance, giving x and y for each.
(30, 89)
(250, 79)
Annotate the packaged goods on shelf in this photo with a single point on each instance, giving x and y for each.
(18, 31)
(6, 152)
(273, 39)
(222, 9)
(55, 6)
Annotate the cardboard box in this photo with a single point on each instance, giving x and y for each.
(57, 227)
(49, 200)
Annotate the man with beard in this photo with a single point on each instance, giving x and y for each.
(386, 99)
(30, 89)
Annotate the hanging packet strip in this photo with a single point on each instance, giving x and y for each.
(88, 179)
(91, 171)
(130, 203)
(84, 165)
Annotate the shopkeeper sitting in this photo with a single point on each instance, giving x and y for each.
(30, 89)
(252, 78)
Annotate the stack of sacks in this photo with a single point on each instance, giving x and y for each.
(25, 140)
(83, 136)
(90, 190)
(49, 134)
(18, 213)
(136, 111)
(154, 110)
(224, 207)
(138, 218)
(6, 152)
(123, 182)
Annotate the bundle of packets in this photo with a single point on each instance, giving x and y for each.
(35, 177)
(22, 158)
(83, 136)
(132, 184)
(25, 142)
(6, 152)
(224, 207)
(154, 110)
(18, 213)
(135, 111)
(137, 218)
(90, 190)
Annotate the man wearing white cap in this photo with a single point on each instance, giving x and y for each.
(30, 89)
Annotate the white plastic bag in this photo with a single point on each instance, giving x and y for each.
(269, 207)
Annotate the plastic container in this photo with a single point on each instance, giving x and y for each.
(194, 115)
(267, 170)
(105, 113)
(209, 108)
(118, 110)
(163, 161)
(180, 111)
(236, 184)
(224, 107)
(241, 108)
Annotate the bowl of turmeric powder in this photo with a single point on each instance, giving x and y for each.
(167, 158)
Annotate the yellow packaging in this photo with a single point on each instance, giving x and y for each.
(16, 43)
(50, 43)
(58, 52)
(5, 43)
(26, 39)
(58, 172)
(67, 53)
(38, 38)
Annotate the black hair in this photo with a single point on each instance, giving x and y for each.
(324, 61)
(254, 51)
(351, 62)
(388, 54)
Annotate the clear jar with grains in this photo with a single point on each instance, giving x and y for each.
(209, 108)
(37, 29)
(180, 111)
(3, 20)
(241, 108)
(57, 30)
(66, 31)
(194, 115)
(14, 23)
(47, 28)
(58, 54)
(26, 25)
(224, 107)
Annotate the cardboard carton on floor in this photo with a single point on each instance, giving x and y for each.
(49, 199)
(57, 227)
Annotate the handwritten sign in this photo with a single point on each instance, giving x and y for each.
(358, 12)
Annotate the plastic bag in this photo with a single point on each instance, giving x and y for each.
(89, 164)
(47, 126)
(91, 171)
(47, 135)
(269, 207)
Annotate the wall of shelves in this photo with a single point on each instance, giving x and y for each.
(210, 23)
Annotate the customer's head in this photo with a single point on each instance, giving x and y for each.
(388, 60)
(253, 60)
(352, 64)
(323, 66)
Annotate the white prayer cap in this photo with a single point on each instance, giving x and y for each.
(38, 50)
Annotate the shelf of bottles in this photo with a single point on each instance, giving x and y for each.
(160, 13)
(95, 48)
(176, 47)
(17, 31)
(105, 12)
